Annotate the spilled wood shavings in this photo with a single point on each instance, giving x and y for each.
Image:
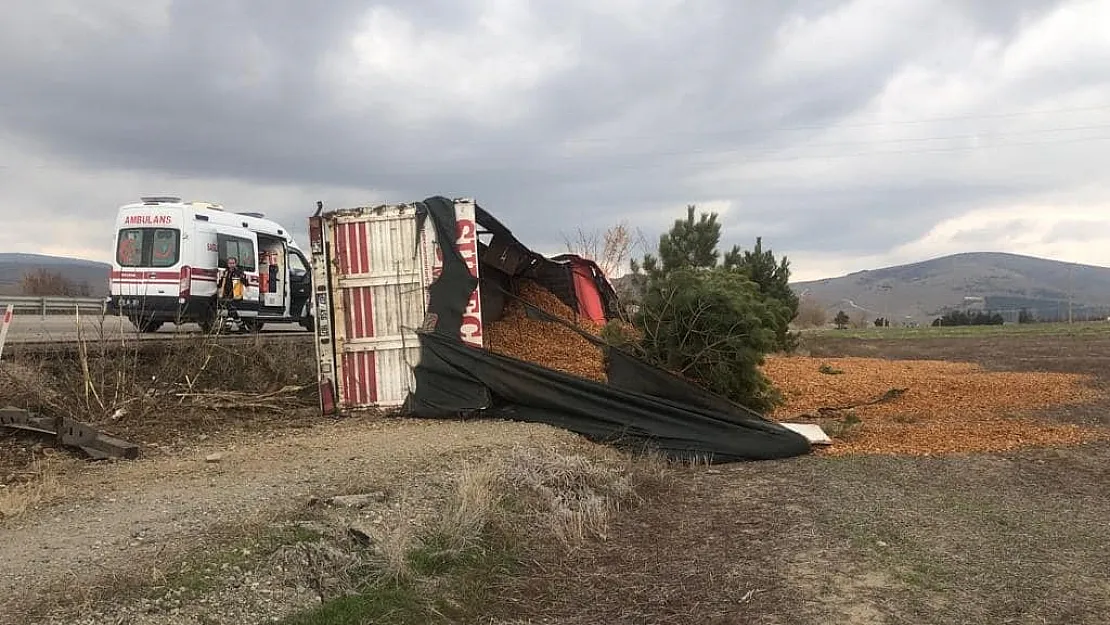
(546, 343)
(946, 407)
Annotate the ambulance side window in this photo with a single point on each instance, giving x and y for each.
(129, 250)
(298, 270)
(238, 247)
(164, 252)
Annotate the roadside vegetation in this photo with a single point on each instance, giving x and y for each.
(154, 393)
(109, 377)
(1085, 328)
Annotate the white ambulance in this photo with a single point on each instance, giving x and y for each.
(170, 254)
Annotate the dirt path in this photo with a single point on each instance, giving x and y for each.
(119, 518)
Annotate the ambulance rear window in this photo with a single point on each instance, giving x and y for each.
(148, 247)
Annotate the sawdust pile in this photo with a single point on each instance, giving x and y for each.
(545, 343)
(947, 407)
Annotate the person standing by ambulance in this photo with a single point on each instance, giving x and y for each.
(233, 283)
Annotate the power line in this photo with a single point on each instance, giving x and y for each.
(722, 152)
(718, 133)
(832, 125)
(881, 142)
(933, 150)
(740, 161)
(978, 135)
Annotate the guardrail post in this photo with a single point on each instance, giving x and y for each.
(44, 309)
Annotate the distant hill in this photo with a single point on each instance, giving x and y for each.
(13, 266)
(1000, 282)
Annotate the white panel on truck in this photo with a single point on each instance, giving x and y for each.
(377, 270)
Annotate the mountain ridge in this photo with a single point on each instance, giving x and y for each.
(999, 281)
(14, 265)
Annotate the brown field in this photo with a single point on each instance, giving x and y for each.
(977, 494)
(1012, 536)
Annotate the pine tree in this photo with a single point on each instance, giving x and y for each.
(712, 327)
(841, 320)
(689, 244)
(711, 321)
(773, 278)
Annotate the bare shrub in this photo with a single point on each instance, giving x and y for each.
(611, 248)
(25, 386)
(811, 314)
(860, 320)
(42, 282)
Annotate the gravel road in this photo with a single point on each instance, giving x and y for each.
(120, 516)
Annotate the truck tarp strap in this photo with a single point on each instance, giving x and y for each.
(641, 405)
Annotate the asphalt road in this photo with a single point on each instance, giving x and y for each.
(31, 328)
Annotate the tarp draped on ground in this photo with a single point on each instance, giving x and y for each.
(640, 406)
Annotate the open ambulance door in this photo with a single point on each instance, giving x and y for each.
(273, 283)
(243, 246)
(300, 287)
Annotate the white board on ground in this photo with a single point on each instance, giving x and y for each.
(813, 432)
(7, 322)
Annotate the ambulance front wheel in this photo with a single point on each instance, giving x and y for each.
(253, 325)
(146, 326)
(208, 317)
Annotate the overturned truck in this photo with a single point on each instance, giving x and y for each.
(404, 296)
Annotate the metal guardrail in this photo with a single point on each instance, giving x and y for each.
(54, 305)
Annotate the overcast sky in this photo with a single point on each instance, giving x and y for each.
(849, 134)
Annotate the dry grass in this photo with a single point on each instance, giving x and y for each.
(144, 388)
(472, 504)
(574, 497)
(330, 565)
(394, 546)
(41, 485)
(529, 494)
(494, 513)
(435, 543)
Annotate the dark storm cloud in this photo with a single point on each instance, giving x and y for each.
(235, 90)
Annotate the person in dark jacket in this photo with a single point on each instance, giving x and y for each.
(233, 284)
